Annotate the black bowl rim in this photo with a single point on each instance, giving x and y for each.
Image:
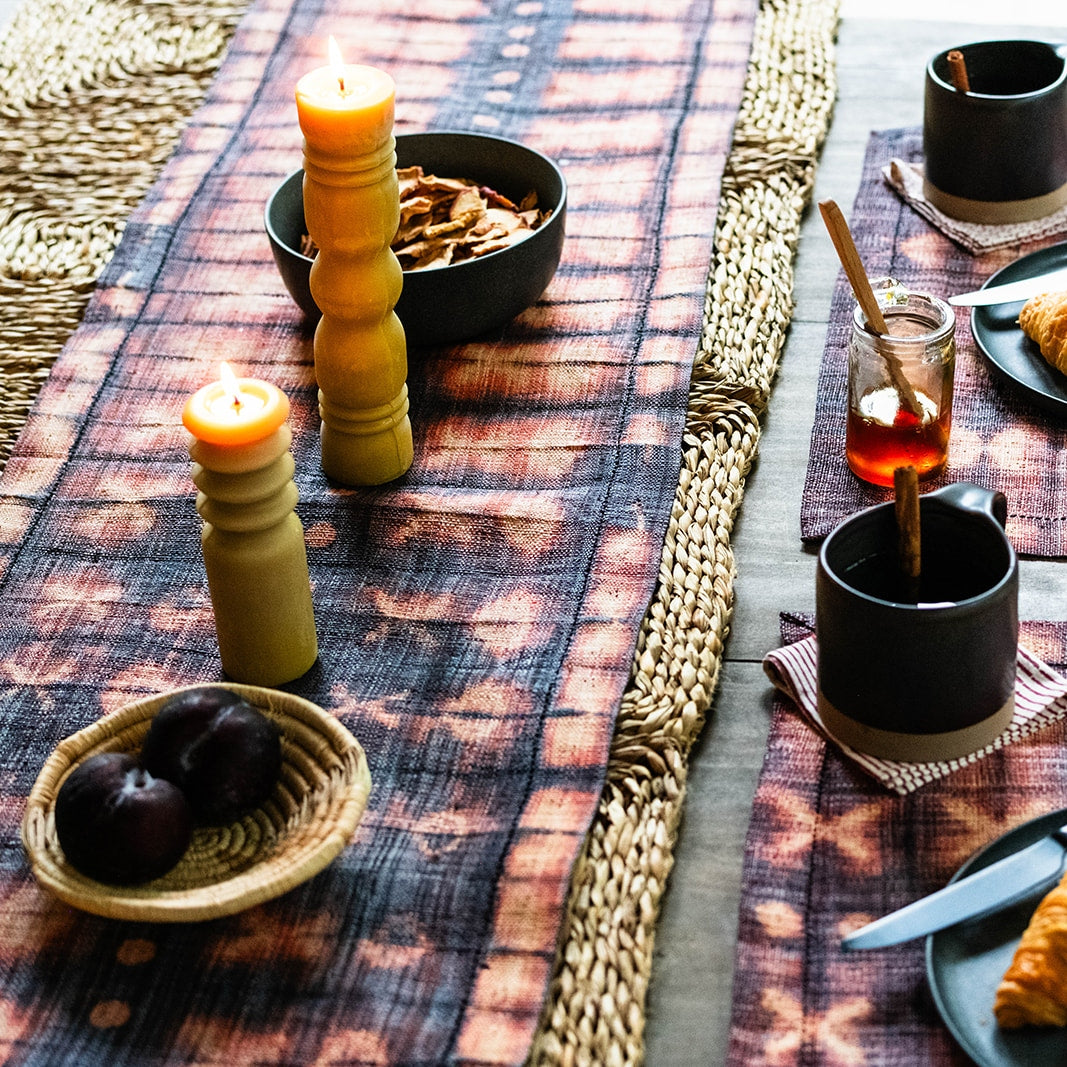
(556, 210)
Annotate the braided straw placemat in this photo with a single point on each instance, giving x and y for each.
(596, 1006)
(93, 111)
(93, 97)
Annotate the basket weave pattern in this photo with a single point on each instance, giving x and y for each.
(309, 818)
(130, 72)
(595, 1011)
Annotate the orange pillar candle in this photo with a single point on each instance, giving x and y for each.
(252, 539)
(352, 210)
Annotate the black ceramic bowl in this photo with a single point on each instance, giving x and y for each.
(460, 301)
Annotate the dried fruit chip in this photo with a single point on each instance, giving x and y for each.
(448, 220)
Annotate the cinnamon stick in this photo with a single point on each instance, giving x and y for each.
(957, 71)
(841, 236)
(906, 506)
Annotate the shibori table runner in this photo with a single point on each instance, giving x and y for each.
(830, 848)
(476, 620)
(999, 438)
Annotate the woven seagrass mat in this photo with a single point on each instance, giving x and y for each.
(93, 96)
(595, 1010)
(74, 164)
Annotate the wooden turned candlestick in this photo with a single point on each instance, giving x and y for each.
(256, 562)
(352, 210)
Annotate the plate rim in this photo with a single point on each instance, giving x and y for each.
(1016, 271)
(1027, 832)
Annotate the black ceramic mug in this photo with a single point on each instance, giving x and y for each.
(930, 677)
(998, 152)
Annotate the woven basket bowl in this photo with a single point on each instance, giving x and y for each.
(310, 817)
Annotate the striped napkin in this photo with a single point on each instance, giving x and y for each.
(977, 237)
(1040, 699)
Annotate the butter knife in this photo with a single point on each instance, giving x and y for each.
(993, 888)
(1023, 289)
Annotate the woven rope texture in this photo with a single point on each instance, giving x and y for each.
(90, 114)
(596, 1007)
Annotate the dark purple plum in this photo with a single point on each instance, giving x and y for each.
(119, 824)
(223, 753)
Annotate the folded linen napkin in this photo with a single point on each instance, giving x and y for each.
(907, 179)
(1040, 699)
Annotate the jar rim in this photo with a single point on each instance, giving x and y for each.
(919, 305)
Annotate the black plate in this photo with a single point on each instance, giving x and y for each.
(965, 963)
(1012, 354)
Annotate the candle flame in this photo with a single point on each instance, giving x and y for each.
(229, 380)
(337, 63)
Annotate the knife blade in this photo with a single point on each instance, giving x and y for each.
(1022, 289)
(993, 888)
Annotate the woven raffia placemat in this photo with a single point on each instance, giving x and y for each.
(75, 164)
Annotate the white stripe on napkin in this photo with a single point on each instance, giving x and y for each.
(1040, 699)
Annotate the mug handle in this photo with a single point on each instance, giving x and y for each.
(975, 498)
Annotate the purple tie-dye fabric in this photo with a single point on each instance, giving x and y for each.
(476, 619)
(830, 849)
(1000, 438)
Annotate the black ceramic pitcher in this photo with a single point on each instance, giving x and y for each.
(927, 677)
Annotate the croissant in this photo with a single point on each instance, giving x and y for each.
(1033, 991)
(1044, 320)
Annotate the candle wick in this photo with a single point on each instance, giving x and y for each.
(341, 83)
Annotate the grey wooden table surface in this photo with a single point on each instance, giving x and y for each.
(880, 66)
